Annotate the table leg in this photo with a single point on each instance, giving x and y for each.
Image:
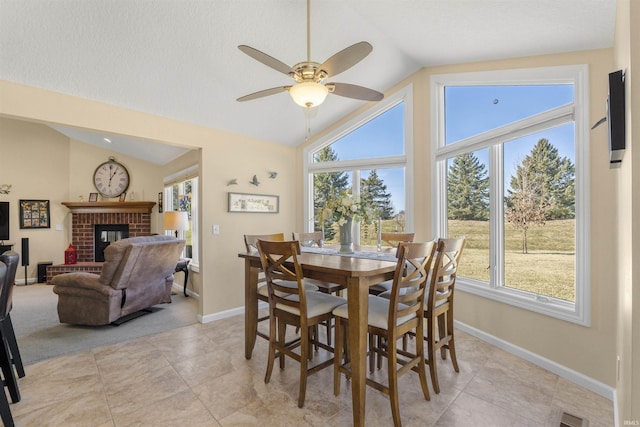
(186, 280)
(358, 306)
(250, 307)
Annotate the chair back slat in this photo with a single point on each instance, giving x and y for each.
(393, 238)
(251, 240)
(445, 271)
(409, 280)
(280, 263)
(309, 239)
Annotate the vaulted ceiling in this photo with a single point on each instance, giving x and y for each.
(179, 58)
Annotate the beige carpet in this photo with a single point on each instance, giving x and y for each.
(41, 336)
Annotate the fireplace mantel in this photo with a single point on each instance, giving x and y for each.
(109, 207)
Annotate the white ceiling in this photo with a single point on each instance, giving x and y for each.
(179, 58)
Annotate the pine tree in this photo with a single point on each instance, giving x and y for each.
(468, 189)
(326, 186)
(374, 194)
(554, 175)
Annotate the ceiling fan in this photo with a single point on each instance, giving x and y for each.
(310, 90)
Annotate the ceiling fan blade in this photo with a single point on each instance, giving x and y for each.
(346, 58)
(267, 60)
(262, 93)
(355, 91)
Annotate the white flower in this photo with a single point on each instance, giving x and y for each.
(347, 202)
(354, 208)
(342, 221)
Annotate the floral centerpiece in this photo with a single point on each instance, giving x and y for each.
(344, 209)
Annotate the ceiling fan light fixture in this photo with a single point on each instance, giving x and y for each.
(308, 94)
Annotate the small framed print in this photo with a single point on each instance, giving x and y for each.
(93, 197)
(122, 197)
(34, 214)
(257, 203)
(160, 202)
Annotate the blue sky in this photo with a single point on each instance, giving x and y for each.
(469, 110)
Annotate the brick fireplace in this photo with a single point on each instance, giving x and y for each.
(86, 215)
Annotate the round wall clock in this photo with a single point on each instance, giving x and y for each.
(111, 178)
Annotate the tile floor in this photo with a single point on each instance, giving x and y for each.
(197, 376)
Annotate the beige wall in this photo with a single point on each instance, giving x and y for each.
(35, 161)
(53, 167)
(562, 342)
(222, 156)
(627, 43)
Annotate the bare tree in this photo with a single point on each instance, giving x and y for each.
(527, 206)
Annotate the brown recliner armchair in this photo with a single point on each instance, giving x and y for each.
(137, 274)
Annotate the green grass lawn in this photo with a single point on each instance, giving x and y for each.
(548, 268)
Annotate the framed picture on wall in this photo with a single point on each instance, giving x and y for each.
(35, 214)
(160, 202)
(256, 203)
(93, 197)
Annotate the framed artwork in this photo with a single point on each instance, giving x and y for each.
(122, 197)
(256, 203)
(35, 214)
(160, 203)
(93, 197)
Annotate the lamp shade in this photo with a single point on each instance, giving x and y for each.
(308, 94)
(177, 221)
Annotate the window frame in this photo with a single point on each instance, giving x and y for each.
(578, 312)
(405, 95)
(188, 174)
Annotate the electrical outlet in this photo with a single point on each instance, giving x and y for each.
(215, 229)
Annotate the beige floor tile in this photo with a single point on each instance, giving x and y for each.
(182, 408)
(468, 410)
(198, 375)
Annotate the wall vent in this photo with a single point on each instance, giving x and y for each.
(568, 420)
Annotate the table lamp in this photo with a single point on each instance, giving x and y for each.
(178, 221)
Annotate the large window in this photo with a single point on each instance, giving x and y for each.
(368, 159)
(511, 162)
(182, 195)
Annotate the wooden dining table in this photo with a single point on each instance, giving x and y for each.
(357, 274)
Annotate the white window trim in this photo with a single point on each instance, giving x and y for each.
(186, 174)
(309, 167)
(578, 75)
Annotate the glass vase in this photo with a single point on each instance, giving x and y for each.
(346, 242)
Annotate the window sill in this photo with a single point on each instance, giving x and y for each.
(548, 306)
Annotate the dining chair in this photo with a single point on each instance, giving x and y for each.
(316, 239)
(438, 310)
(293, 306)
(5, 359)
(391, 319)
(10, 357)
(392, 239)
(251, 245)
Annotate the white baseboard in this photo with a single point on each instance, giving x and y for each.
(229, 313)
(567, 373)
(221, 315)
(29, 281)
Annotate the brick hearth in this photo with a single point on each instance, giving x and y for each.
(85, 215)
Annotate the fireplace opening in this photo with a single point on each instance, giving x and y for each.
(105, 234)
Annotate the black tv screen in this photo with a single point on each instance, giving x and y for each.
(4, 221)
(616, 116)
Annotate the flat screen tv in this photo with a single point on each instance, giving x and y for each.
(616, 117)
(4, 221)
